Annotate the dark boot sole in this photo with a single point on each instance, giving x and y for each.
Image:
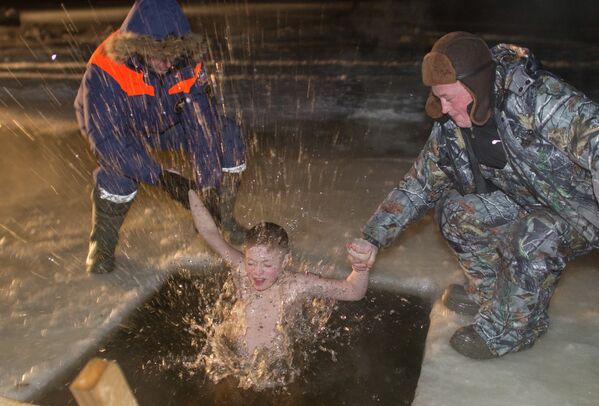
(456, 299)
(467, 342)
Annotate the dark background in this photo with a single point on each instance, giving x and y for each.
(558, 19)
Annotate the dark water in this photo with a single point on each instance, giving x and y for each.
(377, 345)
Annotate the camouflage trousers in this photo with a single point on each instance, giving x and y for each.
(512, 258)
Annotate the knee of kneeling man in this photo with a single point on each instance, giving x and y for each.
(450, 215)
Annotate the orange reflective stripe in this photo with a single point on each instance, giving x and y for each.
(184, 86)
(130, 81)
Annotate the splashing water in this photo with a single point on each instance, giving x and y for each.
(223, 354)
(199, 331)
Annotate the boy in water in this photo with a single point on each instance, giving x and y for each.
(267, 295)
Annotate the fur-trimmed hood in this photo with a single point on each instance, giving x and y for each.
(157, 29)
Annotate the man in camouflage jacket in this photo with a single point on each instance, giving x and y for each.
(510, 166)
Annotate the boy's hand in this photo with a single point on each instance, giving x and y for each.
(361, 254)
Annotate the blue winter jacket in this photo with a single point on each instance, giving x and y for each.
(122, 106)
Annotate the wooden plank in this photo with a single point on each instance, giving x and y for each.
(10, 402)
(102, 383)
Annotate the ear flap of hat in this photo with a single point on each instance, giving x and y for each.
(433, 107)
(480, 87)
(437, 69)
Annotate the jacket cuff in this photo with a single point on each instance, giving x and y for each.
(372, 241)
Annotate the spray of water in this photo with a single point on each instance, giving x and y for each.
(222, 352)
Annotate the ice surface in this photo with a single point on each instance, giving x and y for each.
(560, 369)
(335, 116)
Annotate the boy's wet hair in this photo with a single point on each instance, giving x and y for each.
(270, 234)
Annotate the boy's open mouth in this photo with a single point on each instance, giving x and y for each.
(258, 281)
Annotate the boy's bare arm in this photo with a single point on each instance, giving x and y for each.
(209, 231)
(351, 288)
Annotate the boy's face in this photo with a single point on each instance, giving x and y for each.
(264, 265)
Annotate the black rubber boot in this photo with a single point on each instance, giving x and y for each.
(467, 342)
(234, 231)
(457, 299)
(107, 218)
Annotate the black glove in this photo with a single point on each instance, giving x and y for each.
(176, 186)
(211, 200)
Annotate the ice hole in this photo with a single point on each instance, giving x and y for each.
(371, 353)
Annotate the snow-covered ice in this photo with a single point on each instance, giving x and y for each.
(333, 127)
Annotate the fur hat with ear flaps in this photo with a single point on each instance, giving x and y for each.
(465, 57)
(155, 29)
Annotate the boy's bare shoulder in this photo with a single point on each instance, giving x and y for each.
(300, 282)
(292, 284)
(299, 277)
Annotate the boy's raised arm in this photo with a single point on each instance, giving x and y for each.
(209, 231)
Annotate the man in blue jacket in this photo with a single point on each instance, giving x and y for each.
(146, 88)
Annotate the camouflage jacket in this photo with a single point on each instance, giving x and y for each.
(550, 134)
